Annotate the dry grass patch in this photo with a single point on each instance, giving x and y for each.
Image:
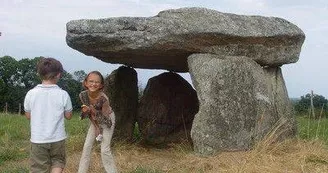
(292, 156)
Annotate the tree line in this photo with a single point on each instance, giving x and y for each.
(311, 105)
(19, 76)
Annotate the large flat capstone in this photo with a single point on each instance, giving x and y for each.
(166, 40)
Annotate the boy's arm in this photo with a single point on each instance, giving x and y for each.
(68, 115)
(68, 107)
(27, 108)
(28, 115)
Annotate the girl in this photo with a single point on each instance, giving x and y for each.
(96, 106)
(93, 100)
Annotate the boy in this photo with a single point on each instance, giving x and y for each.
(45, 106)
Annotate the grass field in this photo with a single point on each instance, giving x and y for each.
(307, 153)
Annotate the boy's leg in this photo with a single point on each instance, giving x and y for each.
(106, 155)
(87, 148)
(40, 158)
(58, 156)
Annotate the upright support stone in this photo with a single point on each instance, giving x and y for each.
(283, 109)
(167, 109)
(235, 107)
(122, 90)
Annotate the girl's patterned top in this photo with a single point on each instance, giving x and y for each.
(101, 108)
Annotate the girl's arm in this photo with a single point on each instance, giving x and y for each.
(106, 108)
(108, 113)
(94, 120)
(97, 128)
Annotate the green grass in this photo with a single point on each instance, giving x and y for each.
(18, 169)
(311, 129)
(76, 130)
(15, 139)
(15, 134)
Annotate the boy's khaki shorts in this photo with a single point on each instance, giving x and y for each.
(44, 157)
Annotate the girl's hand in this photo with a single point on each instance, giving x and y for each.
(92, 109)
(110, 111)
(92, 112)
(85, 108)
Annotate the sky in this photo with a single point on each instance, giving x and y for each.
(32, 28)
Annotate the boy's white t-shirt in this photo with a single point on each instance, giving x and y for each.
(47, 104)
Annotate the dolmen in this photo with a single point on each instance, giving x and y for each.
(234, 62)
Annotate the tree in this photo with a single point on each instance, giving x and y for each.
(8, 91)
(17, 77)
(79, 75)
(304, 104)
(8, 69)
(73, 88)
(27, 72)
